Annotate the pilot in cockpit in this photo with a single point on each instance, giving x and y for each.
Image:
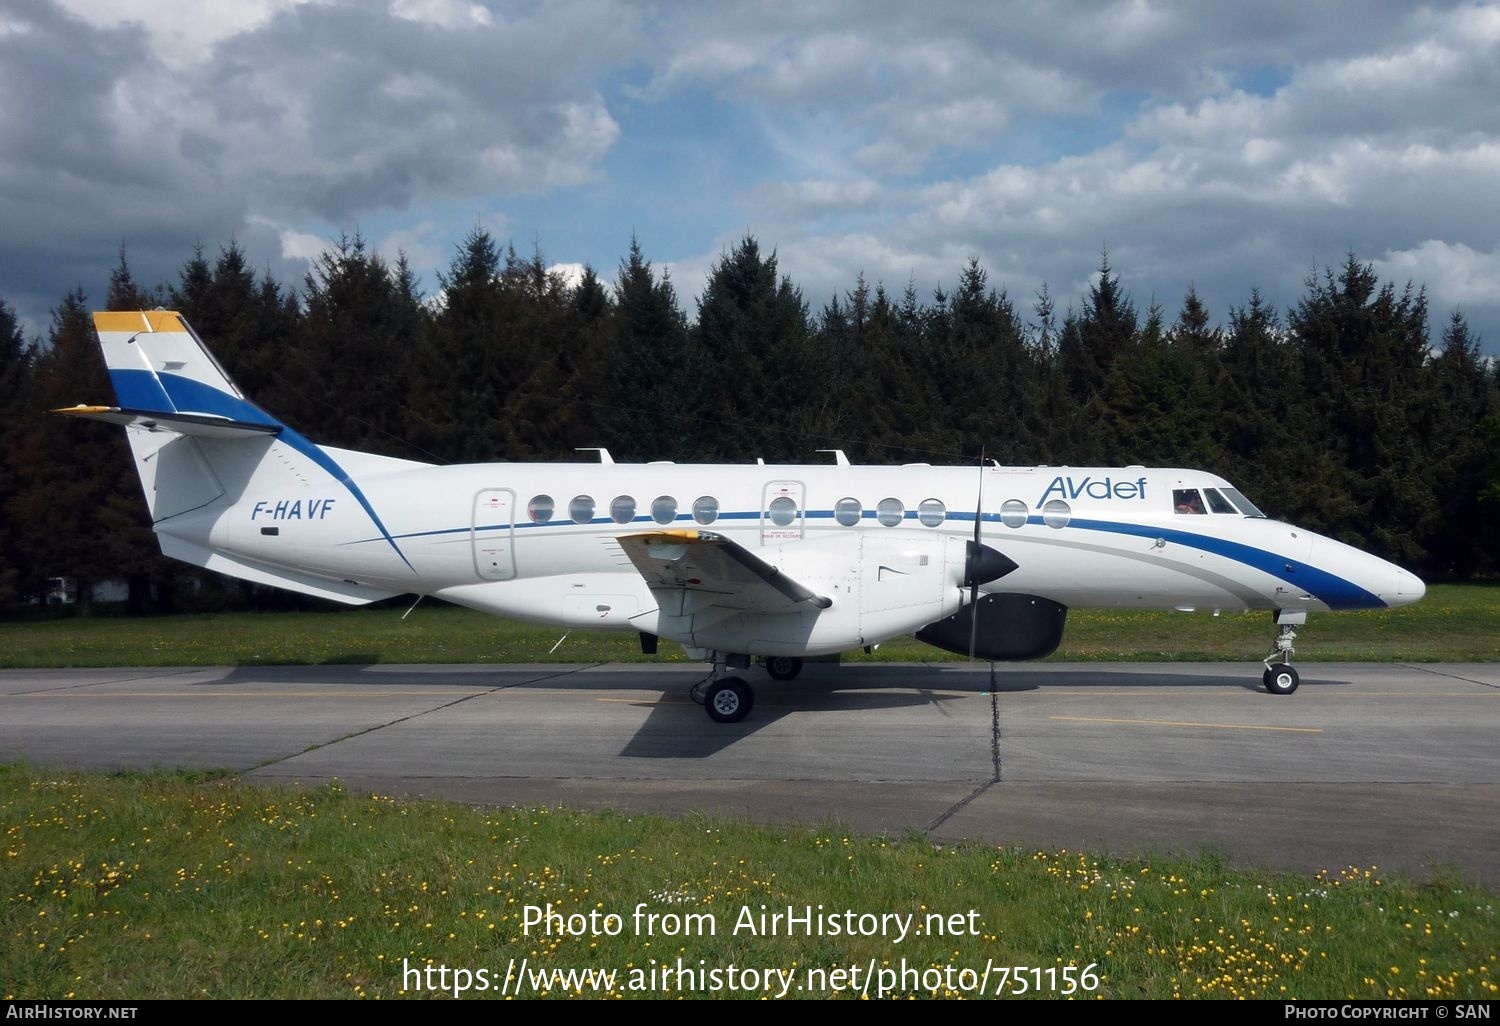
(1188, 501)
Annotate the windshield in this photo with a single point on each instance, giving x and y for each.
(1246, 506)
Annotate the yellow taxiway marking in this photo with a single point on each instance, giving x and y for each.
(1181, 723)
(646, 697)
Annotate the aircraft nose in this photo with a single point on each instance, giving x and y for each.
(1409, 587)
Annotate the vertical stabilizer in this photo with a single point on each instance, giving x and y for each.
(199, 444)
(157, 364)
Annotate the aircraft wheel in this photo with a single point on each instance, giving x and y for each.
(1280, 680)
(728, 700)
(696, 691)
(783, 667)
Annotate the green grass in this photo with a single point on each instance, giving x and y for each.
(171, 885)
(1453, 623)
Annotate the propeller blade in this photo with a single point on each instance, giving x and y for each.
(974, 553)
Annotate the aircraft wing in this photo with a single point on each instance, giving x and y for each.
(712, 565)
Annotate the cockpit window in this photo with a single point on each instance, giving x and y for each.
(1246, 506)
(1187, 500)
(1217, 502)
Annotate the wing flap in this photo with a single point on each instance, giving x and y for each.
(711, 564)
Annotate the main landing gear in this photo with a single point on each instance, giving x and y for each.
(783, 667)
(1280, 678)
(726, 699)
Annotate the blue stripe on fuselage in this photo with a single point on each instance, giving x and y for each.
(1332, 590)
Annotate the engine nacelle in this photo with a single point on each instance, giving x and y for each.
(1011, 627)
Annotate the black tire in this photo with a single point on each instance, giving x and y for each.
(1280, 680)
(728, 700)
(783, 667)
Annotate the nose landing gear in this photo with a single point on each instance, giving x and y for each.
(1280, 678)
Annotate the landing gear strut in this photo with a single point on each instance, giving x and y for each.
(1280, 678)
(726, 699)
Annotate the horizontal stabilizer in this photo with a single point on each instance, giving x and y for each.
(702, 561)
(181, 423)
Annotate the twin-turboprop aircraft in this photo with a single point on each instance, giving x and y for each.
(737, 563)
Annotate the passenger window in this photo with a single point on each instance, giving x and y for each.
(782, 511)
(581, 509)
(1217, 502)
(1056, 513)
(890, 512)
(1187, 500)
(848, 511)
(1013, 513)
(540, 509)
(622, 510)
(931, 512)
(664, 509)
(705, 509)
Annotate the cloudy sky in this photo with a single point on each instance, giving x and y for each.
(1229, 147)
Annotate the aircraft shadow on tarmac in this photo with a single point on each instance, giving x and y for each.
(960, 677)
(677, 728)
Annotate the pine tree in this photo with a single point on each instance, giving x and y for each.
(651, 375)
(1264, 424)
(19, 574)
(753, 332)
(352, 357)
(1161, 405)
(1363, 347)
(1464, 400)
(1088, 347)
(72, 467)
(458, 380)
(249, 325)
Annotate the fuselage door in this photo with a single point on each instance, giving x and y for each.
(493, 533)
(781, 512)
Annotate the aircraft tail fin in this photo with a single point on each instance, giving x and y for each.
(199, 445)
(158, 365)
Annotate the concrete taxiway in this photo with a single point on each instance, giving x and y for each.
(1395, 766)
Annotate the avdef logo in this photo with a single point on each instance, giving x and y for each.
(1093, 488)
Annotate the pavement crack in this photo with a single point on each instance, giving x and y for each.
(959, 805)
(954, 809)
(113, 680)
(1452, 676)
(418, 715)
(994, 727)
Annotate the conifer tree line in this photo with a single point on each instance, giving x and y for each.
(1348, 413)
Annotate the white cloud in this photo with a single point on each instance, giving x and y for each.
(1231, 150)
(571, 274)
(180, 34)
(448, 14)
(1455, 274)
(424, 245)
(295, 245)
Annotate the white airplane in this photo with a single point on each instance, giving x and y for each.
(736, 563)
